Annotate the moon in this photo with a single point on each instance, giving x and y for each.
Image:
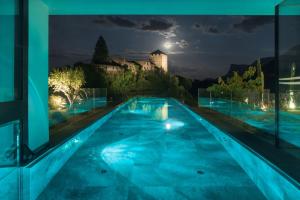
(168, 45)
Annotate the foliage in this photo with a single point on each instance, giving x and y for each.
(236, 85)
(185, 82)
(67, 81)
(101, 53)
(128, 83)
(94, 78)
(119, 84)
(57, 102)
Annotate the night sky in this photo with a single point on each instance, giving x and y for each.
(198, 46)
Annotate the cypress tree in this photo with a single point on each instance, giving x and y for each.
(101, 52)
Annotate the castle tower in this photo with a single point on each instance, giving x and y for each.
(160, 59)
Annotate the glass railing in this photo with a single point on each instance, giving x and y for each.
(253, 108)
(9, 144)
(289, 73)
(10, 173)
(91, 98)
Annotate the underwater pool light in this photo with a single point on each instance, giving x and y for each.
(168, 126)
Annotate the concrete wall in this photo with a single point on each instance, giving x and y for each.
(7, 44)
(38, 75)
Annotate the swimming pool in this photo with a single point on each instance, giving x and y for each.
(265, 120)
(151, 148)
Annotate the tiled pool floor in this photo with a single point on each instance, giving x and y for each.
(151, 149)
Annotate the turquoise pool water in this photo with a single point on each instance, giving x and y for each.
(265, 120)
(152, 148)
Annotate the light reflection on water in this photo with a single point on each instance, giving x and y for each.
(158, 111)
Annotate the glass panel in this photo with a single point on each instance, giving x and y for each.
(9, 159)
(250, 107)
(9, 134)
(7, 49)
(90, 99)
(289, 73)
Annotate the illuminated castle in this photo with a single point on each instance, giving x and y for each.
(156, 59)
(160, 59)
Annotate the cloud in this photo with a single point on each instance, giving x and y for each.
(162, 26)
(120, 21)
(250, 24)
(157, 25)
(207, 29)
(182, 44)
(115, 21)
(175, 52)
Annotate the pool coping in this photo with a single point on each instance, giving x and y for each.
(264, 183)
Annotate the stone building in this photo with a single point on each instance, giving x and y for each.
(156, 59)
(160, 59)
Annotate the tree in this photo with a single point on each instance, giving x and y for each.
(101, 53)
(67, 81)
(236, 85)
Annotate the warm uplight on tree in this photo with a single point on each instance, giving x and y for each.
(57, 102)
(67, 81)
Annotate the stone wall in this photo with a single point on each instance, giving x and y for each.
(160, 60)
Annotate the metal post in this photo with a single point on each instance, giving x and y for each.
(276, 29)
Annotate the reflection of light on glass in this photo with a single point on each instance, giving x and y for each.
(246, 100)
(168, 126)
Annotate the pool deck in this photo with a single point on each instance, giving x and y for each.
(63, 131)
(286, 157)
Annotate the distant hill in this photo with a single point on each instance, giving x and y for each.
(201, 84)
(235, 68)
(268, 67)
